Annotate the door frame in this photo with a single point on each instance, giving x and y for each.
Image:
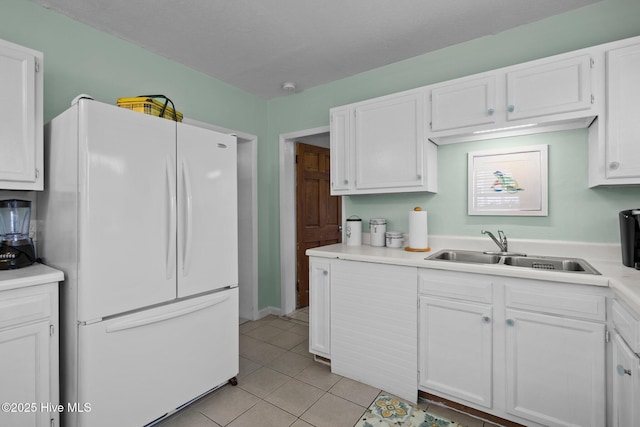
(250, 255)
(288, 233)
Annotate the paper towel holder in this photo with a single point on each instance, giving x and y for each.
(409, 249)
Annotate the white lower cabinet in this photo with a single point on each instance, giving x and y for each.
(529, 351)
(626, 384)
(555, 369)
(456, 342)
(625, 365)
(319, 307)
(29, 356)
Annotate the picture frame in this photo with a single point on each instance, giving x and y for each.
(512, 181)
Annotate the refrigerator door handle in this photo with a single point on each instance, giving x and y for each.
(136, 323)
(188, 219)
(171, 220)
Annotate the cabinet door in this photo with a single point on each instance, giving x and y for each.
(552, 88)
(25, 352)
(340, 137)
(389, 138)
(555, 369)
(20, 119)
(623, 126)
(468, 103)
(319, 307)
(455, 355)
(626, 385)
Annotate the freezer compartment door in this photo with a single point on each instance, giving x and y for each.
(207, 210)
(127, 210)
(136, 368)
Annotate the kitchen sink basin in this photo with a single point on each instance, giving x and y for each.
(466, 256)
(552, 263)
(573, 265)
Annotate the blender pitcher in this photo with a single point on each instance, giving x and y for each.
(16, 247)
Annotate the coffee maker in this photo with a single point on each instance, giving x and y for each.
(630, 237)
(16, 247)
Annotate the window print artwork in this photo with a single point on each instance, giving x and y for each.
(508, 182)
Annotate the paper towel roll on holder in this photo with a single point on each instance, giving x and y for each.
(409, 248)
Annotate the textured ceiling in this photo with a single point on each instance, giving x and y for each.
(256, 45)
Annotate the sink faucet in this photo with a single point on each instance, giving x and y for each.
(502, 243)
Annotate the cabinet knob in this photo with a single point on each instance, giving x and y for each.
(622, 371)
(614, 165)
(490, 111)
(511, 108)
(346, 181)
(486, 319)
(325, 273)
(510, 322)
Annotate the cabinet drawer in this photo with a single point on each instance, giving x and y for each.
(563, 302)
(460, 286)
(627, 324)
(23, 305)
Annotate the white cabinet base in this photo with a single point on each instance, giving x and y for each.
(29, 382)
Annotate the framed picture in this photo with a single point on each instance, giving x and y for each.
(509, 181)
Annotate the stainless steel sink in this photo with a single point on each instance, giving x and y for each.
(466, 256)
(573, 265)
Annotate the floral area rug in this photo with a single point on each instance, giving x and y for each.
(387, 411)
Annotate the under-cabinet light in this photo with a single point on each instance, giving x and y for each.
(507, 128)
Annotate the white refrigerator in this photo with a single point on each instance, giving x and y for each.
(141, 215)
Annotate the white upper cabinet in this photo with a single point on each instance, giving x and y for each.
(623, 110)
(21, 122)
(340, 149)
(614, 140)
(379, 146)
(536, 96)
(470, 102)
(549, 88)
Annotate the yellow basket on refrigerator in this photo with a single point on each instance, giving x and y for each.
(147, 104)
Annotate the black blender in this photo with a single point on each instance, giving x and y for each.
(16, 247)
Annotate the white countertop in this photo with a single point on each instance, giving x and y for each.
(36, 274)
(624, 281)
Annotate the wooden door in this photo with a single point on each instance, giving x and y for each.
(319, 215)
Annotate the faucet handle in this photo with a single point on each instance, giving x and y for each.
(503, 240)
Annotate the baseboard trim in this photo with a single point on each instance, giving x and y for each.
(468, 410)
(264, 312)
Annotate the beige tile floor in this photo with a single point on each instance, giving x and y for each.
(280, 385)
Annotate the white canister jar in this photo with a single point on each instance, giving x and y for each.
(353, 233)
(377, 230)
(395, 239)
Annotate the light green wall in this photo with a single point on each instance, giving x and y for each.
(575, 212)
(79, 59)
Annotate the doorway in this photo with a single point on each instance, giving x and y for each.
(318, 214)
(288, 253)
